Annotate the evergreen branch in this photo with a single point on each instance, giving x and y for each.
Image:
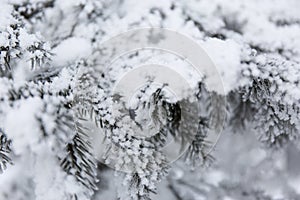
(37, 53)
(274, 121)
(33, 9)
(5, 150)
(79, 160)
(241, 111)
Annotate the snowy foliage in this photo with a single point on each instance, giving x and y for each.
(50, 89)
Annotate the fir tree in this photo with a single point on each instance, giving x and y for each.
(65, 134)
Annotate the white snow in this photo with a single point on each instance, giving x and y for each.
(70, 50)
(5, 15)
(51, 181)
(22, 127)
(26, 39)
(236, 161)
(226, 55)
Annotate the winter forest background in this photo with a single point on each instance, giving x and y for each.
(54, 102)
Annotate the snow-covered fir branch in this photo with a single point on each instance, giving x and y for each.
(61, 117)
